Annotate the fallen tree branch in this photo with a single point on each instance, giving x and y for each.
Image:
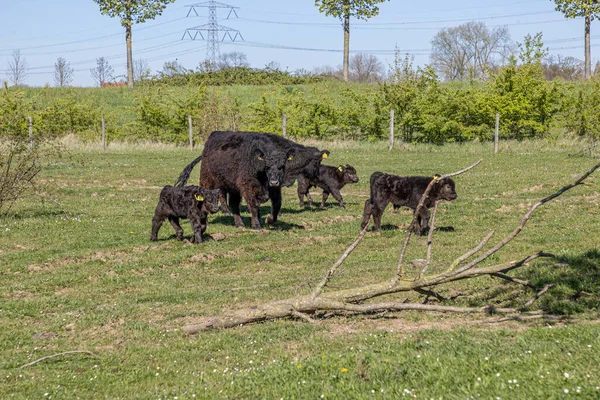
(353, 299)
(58, 355)
(515, 280)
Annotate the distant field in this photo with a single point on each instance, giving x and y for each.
(78, 272)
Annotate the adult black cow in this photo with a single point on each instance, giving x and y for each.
(242, 165)
(306, 161)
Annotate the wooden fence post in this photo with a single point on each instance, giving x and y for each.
(391, 129)
(103, 134)
(284, 125)
(30, 133)
(496, 133)
(191, 133)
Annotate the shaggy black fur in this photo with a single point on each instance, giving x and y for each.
(191, 202)
(330, 179)
(242, 165)
(405, 191)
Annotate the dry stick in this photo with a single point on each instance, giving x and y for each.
(321, 285)
(537, 296)
(58, 355)
(429, 240)
(421, 204)
(525, 218)
(469, 253)
(515, 280)
(303, 316)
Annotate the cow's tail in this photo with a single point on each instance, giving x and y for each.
(185, 174)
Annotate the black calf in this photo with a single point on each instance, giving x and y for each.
(330, 179)
(191, 202)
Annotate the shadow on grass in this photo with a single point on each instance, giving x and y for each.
(575, 284)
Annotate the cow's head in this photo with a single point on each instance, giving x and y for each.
(209, 199)
(271, 161)
(444, 189)
(314, 158)
(347, 174)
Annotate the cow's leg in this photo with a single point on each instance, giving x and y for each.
(223, 200)
(254, 208)
(366, 214)
(178, 229)
(308, 198)
(275, 196)
(302, 191)
(325, 196)
(234, 205)
(338, 196)
(157, 222)
(377, 212)
(195, 221)
(422, 223)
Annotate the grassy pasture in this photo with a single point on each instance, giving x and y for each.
(78, 272)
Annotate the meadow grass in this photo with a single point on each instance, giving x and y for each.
(78, 272)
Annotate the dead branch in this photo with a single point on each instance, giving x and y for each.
(319, 288)
(537, 296)
(420, 205)
(353, 299)
(58, 355)
(429, 240)
(515, 280)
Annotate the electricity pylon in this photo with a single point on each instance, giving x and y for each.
(212, 29)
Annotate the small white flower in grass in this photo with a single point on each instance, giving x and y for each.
(250, 361)
(45, 394)
(322, 396)
(498, 374)
(418, 356)
(589, 345)
(566, 374)
(487, 358)
(566, 390)
(372, 390)
(479, 379)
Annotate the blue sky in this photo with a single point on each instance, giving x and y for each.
(292, 33)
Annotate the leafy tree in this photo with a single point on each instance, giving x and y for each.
(469, 51)
(132, 12)
(63, 73)
(344, 9)
(589, 9)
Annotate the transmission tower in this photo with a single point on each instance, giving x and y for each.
(212, 29)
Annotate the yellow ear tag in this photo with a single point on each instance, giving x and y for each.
(436, 177)
(290, 158)
(199, 197)
(340, 168)
(260, 158)
(325, 155)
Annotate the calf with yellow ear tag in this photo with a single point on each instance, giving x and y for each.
(330, 179)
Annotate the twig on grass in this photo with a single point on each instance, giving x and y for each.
(58, 355)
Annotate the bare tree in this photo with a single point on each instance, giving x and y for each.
(402, 280)
(559, 67)
(469, 50)
(103, 72)
(172, 68)
(329, 70)
(141, 70)
(17, 69)
(232, 60)
(366, 68)
(63, 73)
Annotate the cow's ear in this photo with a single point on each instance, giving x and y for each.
(290, 155)
(259, 155)
(324, 154)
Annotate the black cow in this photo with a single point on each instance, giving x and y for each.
(242, 165)
(191, 202)
(301, 160)
(306, 161)
(405, 191)
(331, 180)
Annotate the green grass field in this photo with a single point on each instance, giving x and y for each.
(78, 272)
